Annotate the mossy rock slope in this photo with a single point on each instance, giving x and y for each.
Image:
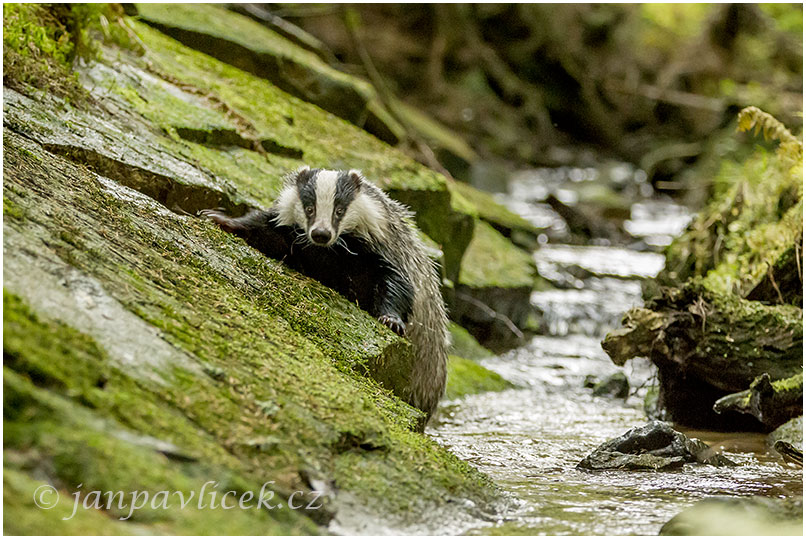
(147, 350)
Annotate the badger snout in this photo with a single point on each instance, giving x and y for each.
(321, 236)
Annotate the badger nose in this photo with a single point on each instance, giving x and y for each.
(320, 236)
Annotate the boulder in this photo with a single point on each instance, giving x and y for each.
(616, 385)
(751, 516)
(492, 297)
(655, 446)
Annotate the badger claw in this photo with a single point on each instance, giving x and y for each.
(394, 323)
(218, 217)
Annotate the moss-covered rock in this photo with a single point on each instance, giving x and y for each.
(491, 261)
(264, 376)
(250, 46)
(755, 515)
(466, 377)
(494, 288)
(464, 345)
(145, 335)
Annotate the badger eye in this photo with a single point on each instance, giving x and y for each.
(339, 212)
(309, 210)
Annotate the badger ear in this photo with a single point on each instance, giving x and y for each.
(302, 176)
(355, 178)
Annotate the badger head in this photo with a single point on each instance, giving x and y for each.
(329, 203)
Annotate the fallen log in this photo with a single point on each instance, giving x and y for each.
(773, 403)
(708, 345)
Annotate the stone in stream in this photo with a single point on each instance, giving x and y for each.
(616, 385)
(655, 446)
(754, 515)
(788, 440)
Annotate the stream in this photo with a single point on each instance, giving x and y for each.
(530, 439)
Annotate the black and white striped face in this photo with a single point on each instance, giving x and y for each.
(325, 204)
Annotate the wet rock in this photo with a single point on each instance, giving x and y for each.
(616, 385)
(754, 515)
(655, 446)
(788, 440)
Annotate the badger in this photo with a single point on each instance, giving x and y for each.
(344, 231)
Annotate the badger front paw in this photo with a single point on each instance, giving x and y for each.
(220, 218)
(394, 323)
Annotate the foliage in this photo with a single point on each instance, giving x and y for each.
(755, 215)
(760, 121)
(516, 79)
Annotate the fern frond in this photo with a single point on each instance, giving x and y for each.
(762, 122)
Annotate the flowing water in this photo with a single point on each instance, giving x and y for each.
(530, 439)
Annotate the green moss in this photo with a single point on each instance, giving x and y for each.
(12, 210)
(33, 30)
(22, 517)
(38, 49)
(326, 141)
(40, 350)
(755, 214)
(492, 261)
(167, 110)
(466, 377)
(85, 455)
(40, 42)
(465, 345)
(793, 383)
(261, 51)
(73, 418)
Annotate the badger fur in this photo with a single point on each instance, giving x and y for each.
(345, 232)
